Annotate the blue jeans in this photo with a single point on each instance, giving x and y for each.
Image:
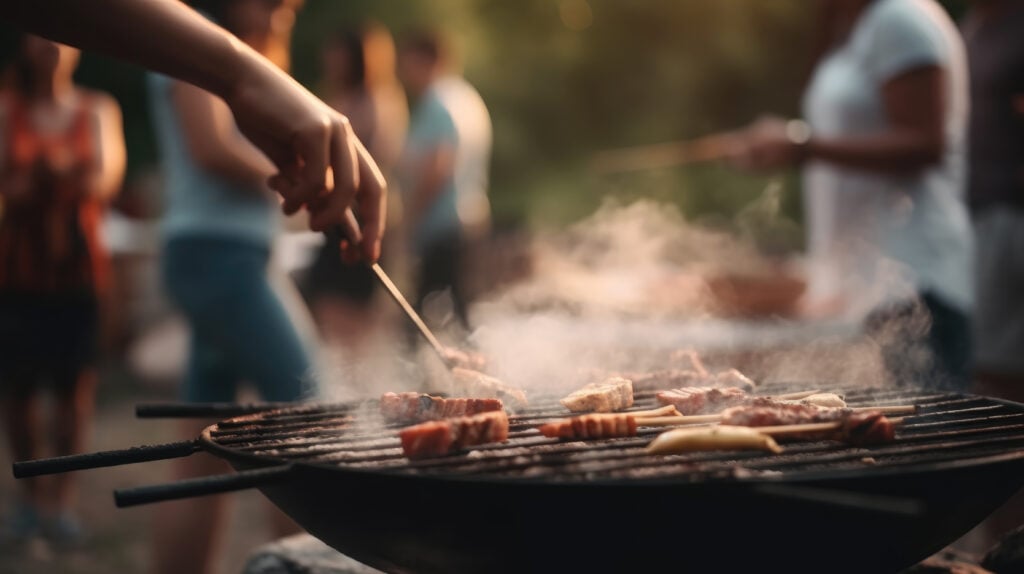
(240, 330)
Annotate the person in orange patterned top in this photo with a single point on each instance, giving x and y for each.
(62, 157)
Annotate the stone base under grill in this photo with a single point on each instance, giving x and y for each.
(302, 553)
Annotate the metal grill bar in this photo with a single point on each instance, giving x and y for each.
(947, 427)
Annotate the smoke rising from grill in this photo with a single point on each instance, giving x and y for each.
(632, 283)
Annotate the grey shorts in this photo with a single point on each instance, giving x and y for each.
(999, 308)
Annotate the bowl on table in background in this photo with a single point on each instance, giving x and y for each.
(756, 295)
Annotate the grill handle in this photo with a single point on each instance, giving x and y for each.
(30, 468)
(202, 486)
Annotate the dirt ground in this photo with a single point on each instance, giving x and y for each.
(118, 540)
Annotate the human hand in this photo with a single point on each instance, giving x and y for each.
(767, 144)
(321, 163)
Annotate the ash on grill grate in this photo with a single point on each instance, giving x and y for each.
(947, 428)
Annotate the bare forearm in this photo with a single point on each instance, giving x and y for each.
(243, 163)
(213, 60)
(896, 152)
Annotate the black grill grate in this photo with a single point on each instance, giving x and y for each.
(947, 428)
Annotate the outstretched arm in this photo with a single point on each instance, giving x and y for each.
(321, 163)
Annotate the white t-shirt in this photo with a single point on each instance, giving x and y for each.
(876, 238)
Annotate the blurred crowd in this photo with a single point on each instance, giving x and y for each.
(911, 150)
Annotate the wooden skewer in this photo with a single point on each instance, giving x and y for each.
(665, 411)
(677, 421)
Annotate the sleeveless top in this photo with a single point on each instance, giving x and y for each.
(50, 240)
(201, 203)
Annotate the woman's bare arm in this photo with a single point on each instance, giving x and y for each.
(106, 174)
(914, 138)
(312, 146)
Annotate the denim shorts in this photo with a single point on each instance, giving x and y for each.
(240, 331)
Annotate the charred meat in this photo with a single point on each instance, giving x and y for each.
(417, 407)
(439, 438)
(594, 426)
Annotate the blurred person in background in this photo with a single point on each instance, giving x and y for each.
(995, 190)
(883, 155)
(995, 47)
(358, 80)
(62, 158)
(444, 169)
(218, 229)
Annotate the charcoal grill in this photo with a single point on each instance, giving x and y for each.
(537, 505)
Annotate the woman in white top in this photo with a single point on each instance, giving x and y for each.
(883, 158)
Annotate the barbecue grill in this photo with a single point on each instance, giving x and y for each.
(534, 504)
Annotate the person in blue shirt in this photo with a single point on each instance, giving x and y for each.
(444, 168)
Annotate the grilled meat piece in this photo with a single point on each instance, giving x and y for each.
(700, 400)
(766, 412)
(464, 359)
(867, 427)
(612, 394)
(416, 407)
(438, 438)
(591, 427)
(474, 384)
(858, 428)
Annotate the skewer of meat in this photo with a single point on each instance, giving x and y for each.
(417, 407)
(612, 394)
(603, 425)
(705, 400)
(857, 428)
(763, 411)
(439, 438)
